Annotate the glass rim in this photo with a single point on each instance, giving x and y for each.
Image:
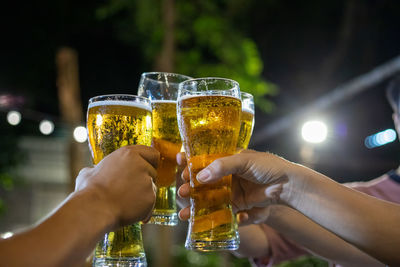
(173, 74)
(212, 78)
(246, 94)
(99, 98)
(219, 92)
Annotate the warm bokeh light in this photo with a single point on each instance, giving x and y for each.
(46, 127)
(314, 131)
(14, 117)
(80, 134)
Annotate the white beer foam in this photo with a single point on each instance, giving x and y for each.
(119, 103)
(163, 101)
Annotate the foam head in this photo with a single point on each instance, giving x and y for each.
(120, 103)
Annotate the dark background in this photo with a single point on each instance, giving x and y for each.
(296, 42)
(307, 47)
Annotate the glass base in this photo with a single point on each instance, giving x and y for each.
(201, 245)
(163, 219)
(119, 262)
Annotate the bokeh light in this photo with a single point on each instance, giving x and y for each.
(14, 117)
(380, 139)
(46, 127)
(80, 134)
(314, 131)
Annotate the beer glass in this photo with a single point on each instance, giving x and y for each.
(247, 121)
(162, 90)
(114, 121)
(209, 111)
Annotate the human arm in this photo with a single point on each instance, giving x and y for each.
(113, 193)
(286, 234)
(293, 231)
(264, 179)
(265, 246)
(364, 221)
(254, 242)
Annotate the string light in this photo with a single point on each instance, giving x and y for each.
(14, 117)
(46, 127)
(8, 103)
(80, 134)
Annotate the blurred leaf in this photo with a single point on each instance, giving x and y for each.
(184, 257)
(306, 261)
(6, 181)
(10, 157)
(111, 9)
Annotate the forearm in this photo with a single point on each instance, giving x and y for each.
(65, 238)
(304, 233)
(316, 239)
(253, 242)
(368, 223)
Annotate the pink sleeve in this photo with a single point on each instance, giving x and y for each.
(281, 249)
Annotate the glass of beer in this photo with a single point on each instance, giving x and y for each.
(247, 121)
(209, 111)
(162, 90)
(114, 121)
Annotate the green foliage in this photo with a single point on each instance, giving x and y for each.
(10, 157)
(6, 181)
(210, 44)
(209, 39)
(184, 257)
(306, 261)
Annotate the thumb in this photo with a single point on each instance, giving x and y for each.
(235, 164)
(253, 166)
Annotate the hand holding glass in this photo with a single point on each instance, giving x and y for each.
(114, 121)
(209, 111)
(162, 90)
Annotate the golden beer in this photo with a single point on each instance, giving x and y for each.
(162, 90)
(113, 124)
(246, 129)
(167, 140)
(209, 126)
(247, 120)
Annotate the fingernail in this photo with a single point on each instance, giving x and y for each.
(179, 193)
(180, 216)
(204, 175)
(178, 159)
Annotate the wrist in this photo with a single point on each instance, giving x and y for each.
(294, 190)
(98, 207)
